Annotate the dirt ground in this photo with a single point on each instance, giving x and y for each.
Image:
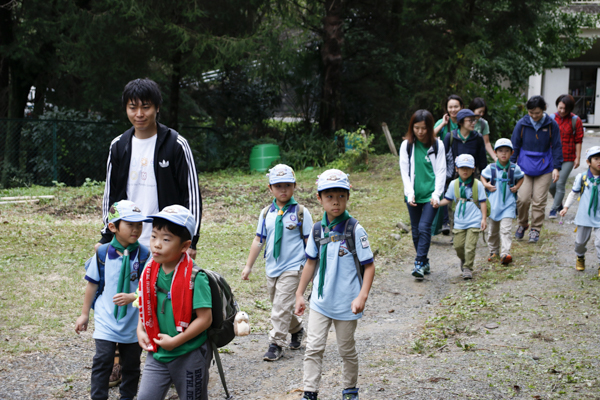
(530, 332)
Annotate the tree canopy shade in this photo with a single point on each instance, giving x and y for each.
(340, 63)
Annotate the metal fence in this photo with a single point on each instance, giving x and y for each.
(42, 151)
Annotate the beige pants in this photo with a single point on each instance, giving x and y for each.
(318, 330)
(465, 244)
(500, 239)
(282, 291)
(533, 192)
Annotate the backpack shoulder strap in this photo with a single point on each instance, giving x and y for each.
(349, 233)
(456, 190)
(574, 123)
(511, 175)
(409, 151)
(300, 212)
(494, 172)
(263, 229)
(101, 254)
(436, 147)
(475, 191)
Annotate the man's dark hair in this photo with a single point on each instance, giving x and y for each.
(535, 102)
(177, 230)
(334, 190)
(144, 90)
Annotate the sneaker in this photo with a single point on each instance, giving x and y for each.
(446, 229)
(418, 270)
(115, 376)
(350, 394)
(274, 353)
(493, 257)
(520, 232)
(580, 264)
(426, 268)
(552, 214)
(534, 236)
(506, 259)
(467, 274)
(297, 339)
(310, 396)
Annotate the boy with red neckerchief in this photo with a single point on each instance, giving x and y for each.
(174, 316)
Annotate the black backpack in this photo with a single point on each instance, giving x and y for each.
(224, 309)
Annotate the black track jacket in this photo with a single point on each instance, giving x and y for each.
(174, 168)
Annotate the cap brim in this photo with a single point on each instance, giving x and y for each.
(135, 218)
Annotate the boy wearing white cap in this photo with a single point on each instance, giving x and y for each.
(284, 225)
(111, 284)
(470, 212)
(342, 278)
(587, 219)
(502, 180)
(178, 350)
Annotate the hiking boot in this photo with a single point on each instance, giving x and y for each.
(467, 274)
(274, 353)
(115, 376)
(493, 257)
(580, 264)
(426, 268)
(506, 259)
(534, 236)
(418, 270)
(553, 214)
(446, 229)
(350, 394)
(297, 339)
(310, 396)
(520, 232)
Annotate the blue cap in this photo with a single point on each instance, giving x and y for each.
(179, 215)
(464, 113)
(592, 151)
(126, 210)
(281, 173)
(331, 179)
(503, 143)
(465, 160)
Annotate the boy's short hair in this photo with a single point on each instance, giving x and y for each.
(177, 230)
(325, 191)
(144, 90)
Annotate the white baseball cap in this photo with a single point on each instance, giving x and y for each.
(126, 210)
(465, 160)
(333, 178)
(281, 173)
(592, 151)
(503, 143)
(179, 215)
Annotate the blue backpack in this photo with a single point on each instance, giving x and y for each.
(143, 256)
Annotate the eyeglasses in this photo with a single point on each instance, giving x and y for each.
(470, 120)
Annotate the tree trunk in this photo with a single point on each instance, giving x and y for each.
(6, 37)
(331, 115)
(175, 82)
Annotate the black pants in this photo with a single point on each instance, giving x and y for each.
(103, 364)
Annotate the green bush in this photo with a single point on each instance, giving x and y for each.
(356, 158)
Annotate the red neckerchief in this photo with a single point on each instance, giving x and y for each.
(181, 297)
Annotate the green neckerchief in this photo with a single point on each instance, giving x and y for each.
(464, 139)
(594, 195)
(463, 194)
(279, 225)
(323, 263)
(124, 285)
(504, 181)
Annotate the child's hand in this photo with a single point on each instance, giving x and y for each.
(491, 188)
(165, 341)
(483, 224)
(300, 305)
(82, 323)
(514, 189)
(144, 340)
(434, 203)
(122, 299)
(563, 212)
(358, 305)
(246, 273)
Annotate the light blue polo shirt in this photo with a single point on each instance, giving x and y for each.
(291, 256)
(106, 326)
(502, 209)
(472, 217)
(341, 285)
(583, 218)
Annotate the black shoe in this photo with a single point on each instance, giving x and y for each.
(274, 353)
(297, 339)
(446, 229)
(310, 396)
